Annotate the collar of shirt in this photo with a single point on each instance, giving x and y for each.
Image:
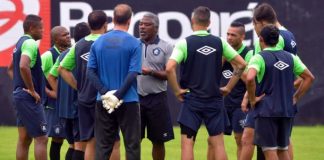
(271, 49)
(57, 50)
(155, 41)
(282, 28)
(201, 33)
(92, 37)
(239, 51)
(28, 36)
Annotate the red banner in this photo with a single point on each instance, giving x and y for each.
(12, 15)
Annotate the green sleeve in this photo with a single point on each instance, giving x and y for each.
(54, 69)
(179, 52)
(47, 62)
(30, 49)
(299, 66)
(228, 51)
(258, 64)
(281, 43)
(257, 47)
(248, 56)
(68, 61)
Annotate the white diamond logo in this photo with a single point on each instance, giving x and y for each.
(206, 50)
(85, 56)
(227, 74)
(281, 65)
(293, 44)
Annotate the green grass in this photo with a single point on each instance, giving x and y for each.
(308, 144)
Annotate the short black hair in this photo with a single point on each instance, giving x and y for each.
(201, 15)
(270, 35)
(31, 20)
(81, 30)
(239, 25)
(97, 19)
(122, 13)
(265, 12)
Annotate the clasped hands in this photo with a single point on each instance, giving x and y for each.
(110, 102)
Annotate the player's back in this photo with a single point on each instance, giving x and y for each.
(289, 40)
(117, 53)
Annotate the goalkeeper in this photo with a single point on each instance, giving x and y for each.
(114, 63)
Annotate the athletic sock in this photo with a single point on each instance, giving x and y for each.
(69, 154)
(78, 155)
(260, 154)
(55, 150)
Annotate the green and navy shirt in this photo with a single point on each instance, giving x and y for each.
(200, 59)
(258, 63)
(26, 45)
(276, 70)
(78, 58)
(66, 95)
(234, 98)
(286, 42)
(47, 60)
(30, 49)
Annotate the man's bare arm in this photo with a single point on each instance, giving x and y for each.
(68, 77)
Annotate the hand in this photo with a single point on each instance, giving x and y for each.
(33, 94)
(110, 101)
(224, 91)
(256, 100)
(146, 71)
(295, 99)
(180, 94)
(244, 104)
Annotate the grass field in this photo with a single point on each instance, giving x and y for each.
(308, 145)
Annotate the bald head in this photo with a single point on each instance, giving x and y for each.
(61, 37)
(55, 32)
(122, 14)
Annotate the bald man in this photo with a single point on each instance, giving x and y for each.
(114, 76)
(61, 39)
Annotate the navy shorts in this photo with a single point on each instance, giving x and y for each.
(236, 118)
(86, 122)
(71, 127)
(272, 132)
(55, 126)
(155, 115)
(250, 119)
(29, 114)
(212, 112)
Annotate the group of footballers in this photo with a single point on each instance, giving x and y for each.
(110, 81)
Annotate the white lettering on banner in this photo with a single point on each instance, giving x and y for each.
(181, 18)
(66, 7)
(219, 21)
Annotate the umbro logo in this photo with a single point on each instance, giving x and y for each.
(281, 65)
(293, 44)
(227, 74)
(242, 123)
(57, 130)
(165, 134)
(85, 56)
(206, 50)
(43, 128)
